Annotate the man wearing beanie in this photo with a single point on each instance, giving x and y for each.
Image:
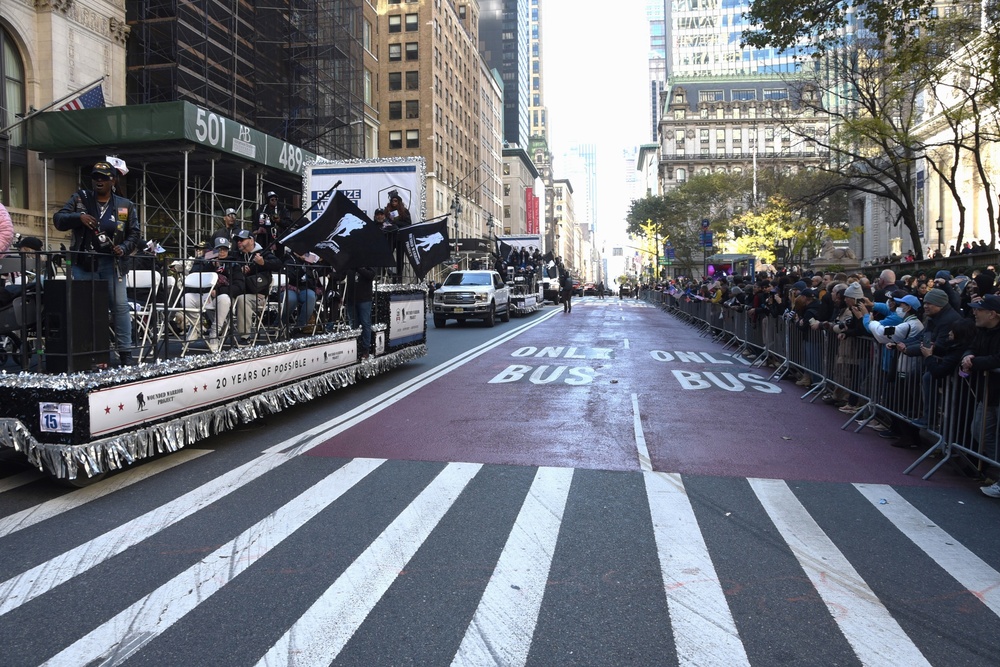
(941, 317)
(942, 281)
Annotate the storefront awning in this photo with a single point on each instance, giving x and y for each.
(158, 127)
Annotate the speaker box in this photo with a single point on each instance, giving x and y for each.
(77, 324)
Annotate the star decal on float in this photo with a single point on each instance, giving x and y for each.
(196, 389)
(204, 387)
(107, 410)
(121, 406)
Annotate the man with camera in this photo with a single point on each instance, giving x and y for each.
(105, 230)
(272, 219)
(257, 265)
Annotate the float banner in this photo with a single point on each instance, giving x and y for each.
(406, 318)
(132, 405)
(367, 183)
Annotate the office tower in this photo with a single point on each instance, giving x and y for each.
(505, 46)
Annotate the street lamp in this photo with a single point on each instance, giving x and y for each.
(939, 225)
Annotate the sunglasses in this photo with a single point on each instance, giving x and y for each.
(99, 177)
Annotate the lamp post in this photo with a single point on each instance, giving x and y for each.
(939, 225)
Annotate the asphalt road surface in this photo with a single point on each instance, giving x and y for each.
(604, 487)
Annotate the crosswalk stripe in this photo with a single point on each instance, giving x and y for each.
(702, 622)
(119, 638)
(20, 479)
(42, 578)
(966, 567)
(503, 625)
(875, 636)
(33, 515)
(319, 635)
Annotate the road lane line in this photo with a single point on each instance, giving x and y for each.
(50, 508)
(957, 560)
(20, 479)
(504, 623)
(325, 628)
(116, 640)
(872, 632)
(640, 438)
(702, 622)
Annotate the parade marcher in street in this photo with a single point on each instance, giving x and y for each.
(257, 264)
(600, 289)
(566, 290)
(105, 229)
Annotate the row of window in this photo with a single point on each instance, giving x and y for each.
(736, 113)
(412, 138)
(412, 50)
(396, 22)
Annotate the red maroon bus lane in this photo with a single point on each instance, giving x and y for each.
(561, 394)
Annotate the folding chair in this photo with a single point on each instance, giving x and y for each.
(199, 284)
(330, 307)
(148, 313)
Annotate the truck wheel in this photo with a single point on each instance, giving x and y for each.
(439, 322)
(491, 319)
(505, 317)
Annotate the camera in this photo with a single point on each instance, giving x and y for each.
(103, 242)
(889, 331)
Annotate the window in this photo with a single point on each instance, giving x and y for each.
(395, 81)
(395, 139)
(368, 87)
(617, 252)
(413, 108)
(413, 80)
(681, 175)
(679, 114)
(710, 96)
(395, 23)
(411, 23)
(395, 52)
(506, 210)
(744, 95)
(395, 110)
(462, 9)
(366, 36)
(411, 51)
(13, 192)
(413, 138)
(703, 135)
(506, 189)
(775, 93)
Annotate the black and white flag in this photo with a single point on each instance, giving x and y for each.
(426, 244)
(344, 236)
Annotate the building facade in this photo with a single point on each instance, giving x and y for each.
(520, 201)
(505, 45)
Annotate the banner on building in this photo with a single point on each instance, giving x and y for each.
(367, 183)
(531, 207)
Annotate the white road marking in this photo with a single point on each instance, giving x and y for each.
(966, 567)
(504, 623)
(50, 508)
(640, 438)
(119, 638)
(319, 635)
(703, 627)
(875, 636)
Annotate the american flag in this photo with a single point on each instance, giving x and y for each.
(92, 99)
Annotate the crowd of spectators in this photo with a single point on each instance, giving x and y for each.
(928, 327)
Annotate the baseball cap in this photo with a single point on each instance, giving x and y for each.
(29, 243)
(809, 291)
(223, 242)
(103, 169)
(910, 300)
(989, 302)
(243, 234)
(230, 211)
(272, 194)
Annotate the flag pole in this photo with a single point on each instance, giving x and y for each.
(35, 112)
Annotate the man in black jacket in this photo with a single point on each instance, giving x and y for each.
(257, 265)
(358, 305)
(105, 230)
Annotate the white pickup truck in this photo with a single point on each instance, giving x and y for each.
(476, 295)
